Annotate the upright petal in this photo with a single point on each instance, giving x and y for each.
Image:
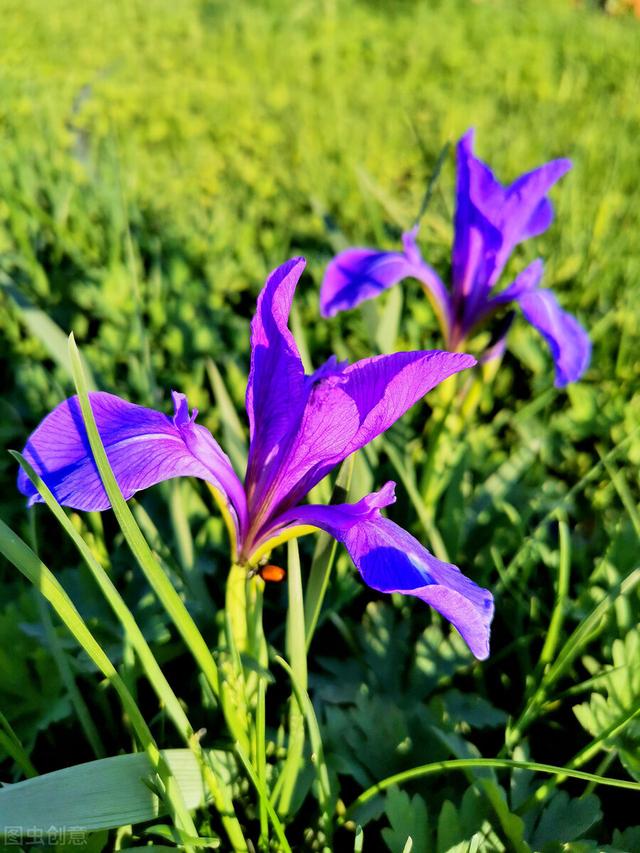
(491, 219)
(568, 341)
(275, 390)
(527, 212)
(359, 274)
(477, 238)
(391, 560)
(144, 447)
(347, 407)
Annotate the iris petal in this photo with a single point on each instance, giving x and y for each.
(351, 406)
(359, 274)
(144, 447)
(276, 387)
(568, 341)
(391, 560)
(491, 219)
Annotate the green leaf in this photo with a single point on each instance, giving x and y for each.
(464, 829)
(471, 710)
(627, 839)
(565, 819)
(409, 819)
(613, 718)
(102, 794)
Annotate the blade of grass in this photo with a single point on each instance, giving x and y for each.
(146, 657)
(162, 586)
(557, 617)
(408, 481)
(62, 663)
(622, 488)
(42, 327)
(235, 439)
(264, 797)
(96, 795)
(19, 754)
(516, 561)
(317, 751)
(10, 742)
(261, 761)
(29, 564)
(572, 647)
(60, 658)
(435, 174)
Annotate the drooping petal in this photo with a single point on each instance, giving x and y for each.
(568, 341)
(347, 407)
(391, 560)
(144, 447)
(359, 274)
(275, 390)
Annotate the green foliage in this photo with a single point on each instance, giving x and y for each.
(612, 711)
(409, 820)
(156, 160)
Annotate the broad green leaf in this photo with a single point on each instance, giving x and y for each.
(102, 794)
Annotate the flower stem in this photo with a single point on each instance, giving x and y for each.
(297, 654)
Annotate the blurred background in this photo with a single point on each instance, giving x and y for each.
(157, 159)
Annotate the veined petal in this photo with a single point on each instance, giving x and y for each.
(568, 341)
(144, 447)
(391, 560)
(347, 407)
(359, 274)
(276, 388)
(527, 212)
(491, 219)
(477, 237)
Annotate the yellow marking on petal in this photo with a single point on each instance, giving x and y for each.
(285, 536)
(220, 500)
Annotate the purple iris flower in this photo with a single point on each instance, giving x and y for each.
(301, 427)
(490, 221)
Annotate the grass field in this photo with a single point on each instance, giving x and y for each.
(157, 160)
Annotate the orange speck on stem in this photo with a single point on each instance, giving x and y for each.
(272, 573)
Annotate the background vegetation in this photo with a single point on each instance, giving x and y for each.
(156, 161)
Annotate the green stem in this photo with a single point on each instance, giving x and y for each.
(296, 652)
(466, 763)
(555, 625)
